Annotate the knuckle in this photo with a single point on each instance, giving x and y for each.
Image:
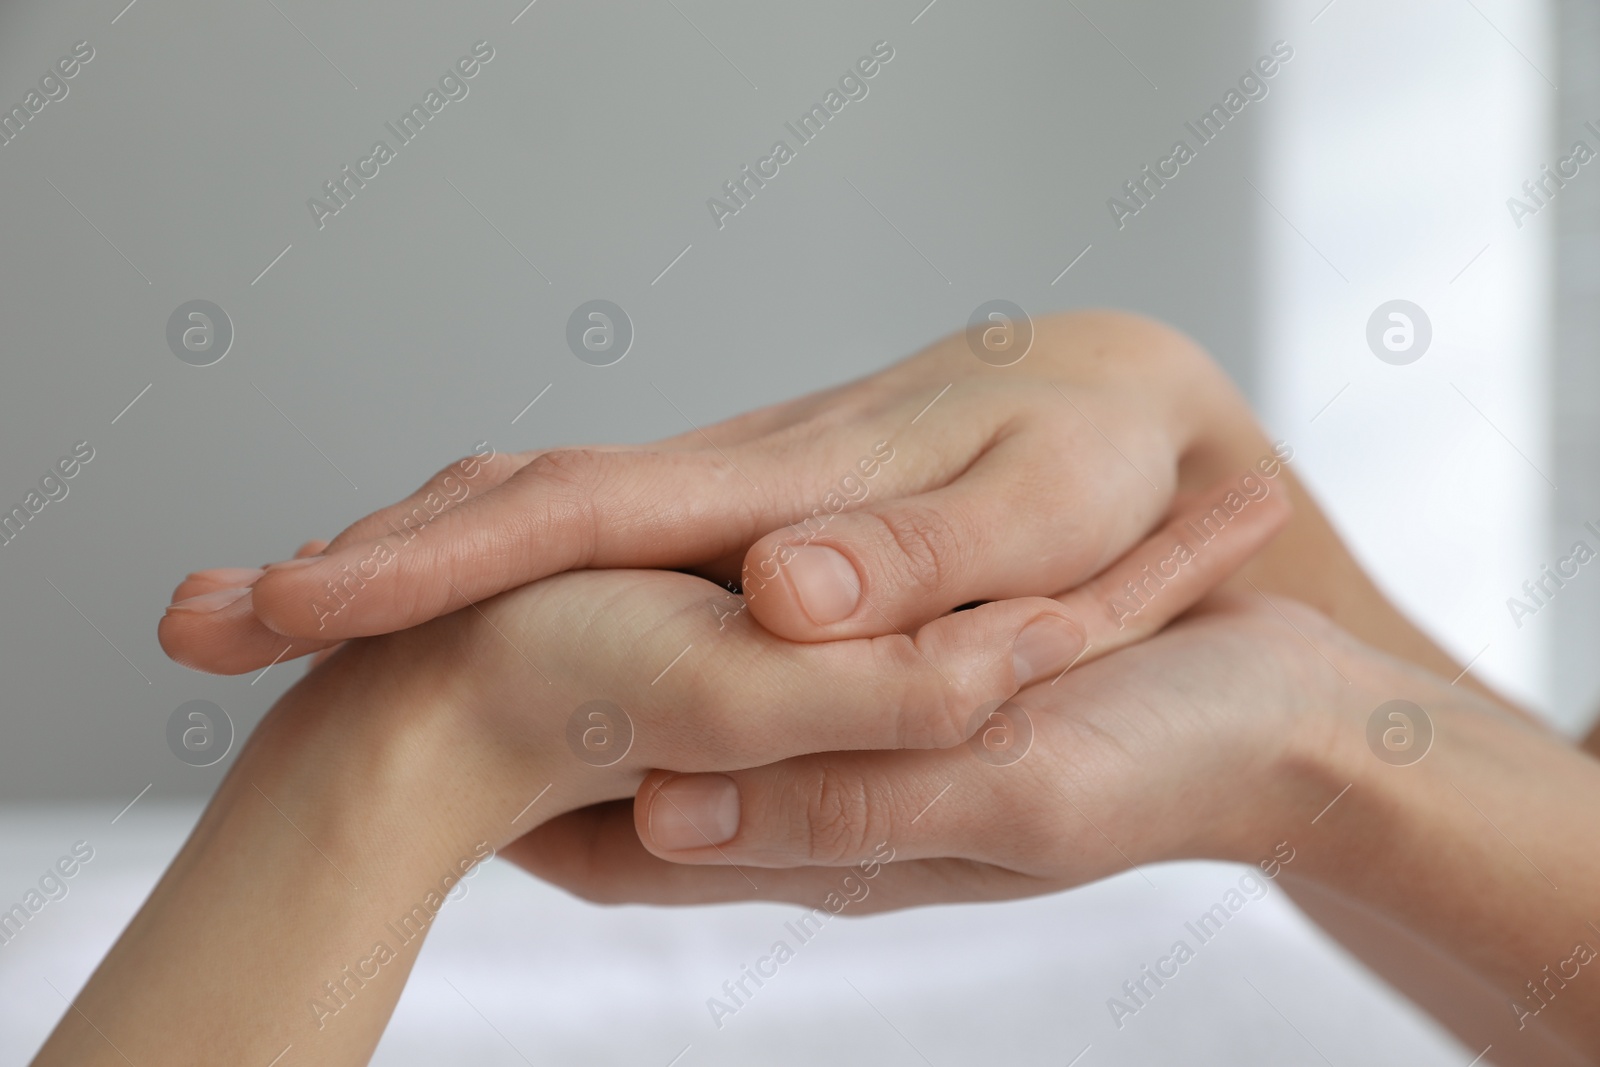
(941, 721)
(438, 477)
(929, 712)
(925, 543)
(841, 816)
(565, 484)
(576, 469)
(457, 478)
(707, 719)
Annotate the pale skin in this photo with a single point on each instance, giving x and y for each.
(1268, 692)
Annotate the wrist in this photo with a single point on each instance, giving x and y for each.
(1299, 759)
(357, 771)
(1399, 740)
(322, 860)
(455, 755)
(402, 776)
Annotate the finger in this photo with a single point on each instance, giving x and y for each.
(822, 810)
(448, 487)
(214, 578)
(487, 469)
(837, 809)
(208, 629)
(982, 803)
(562, 510)
(993, 534)
(219, 633)
(1176, 567)
(558, 512)
(595, 853)
(747, 697)
(1002, 529)
(480, 473)
(467, 478)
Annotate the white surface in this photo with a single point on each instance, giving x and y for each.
(559, 981)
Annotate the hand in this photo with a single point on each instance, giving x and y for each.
(215, 595)
(1174, 748)
(1244, 732)
(864, 510)
(690, 682)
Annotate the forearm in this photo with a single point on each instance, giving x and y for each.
(294, 912)
(1460, 999)
(1465, 849)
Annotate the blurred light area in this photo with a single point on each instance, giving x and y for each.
(1392, 144)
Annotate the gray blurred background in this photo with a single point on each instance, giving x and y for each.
(430, 311)
(409, 327)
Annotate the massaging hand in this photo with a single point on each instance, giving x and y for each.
(1177, 747)
(1408, 815)
(861, 511)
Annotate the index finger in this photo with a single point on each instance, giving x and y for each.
(578, 508)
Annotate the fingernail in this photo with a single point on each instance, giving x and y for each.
(825, 583)
(694, 811)
(291, 564)
(1046, 646)
(206, 603)
(232, 577)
